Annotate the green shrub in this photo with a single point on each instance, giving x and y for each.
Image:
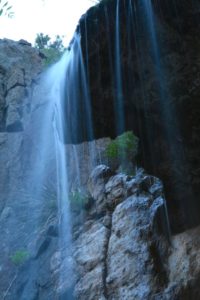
(19, 257)
(51, 50)
(51, 56)
(124, 147)
(78, 198)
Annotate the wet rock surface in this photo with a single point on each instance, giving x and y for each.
(160, 83)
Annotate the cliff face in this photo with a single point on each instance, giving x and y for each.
(20, 65)
(121, 243)
(160, 72)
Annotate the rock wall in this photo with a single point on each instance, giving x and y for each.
(20, 65)
(17, 74)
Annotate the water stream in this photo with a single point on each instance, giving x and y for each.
(119, 103)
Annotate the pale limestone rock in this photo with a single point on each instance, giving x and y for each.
(126, 252)
(185, 245)
(89, 246)
(130, 262)
(116, 189)
(96, 186)
(90, 286)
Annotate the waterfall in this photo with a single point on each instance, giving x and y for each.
(169, 115)
(99, 88)
(119, 103)
(72, 123)
(51, 163)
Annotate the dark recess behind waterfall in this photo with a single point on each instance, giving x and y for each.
(169, 151)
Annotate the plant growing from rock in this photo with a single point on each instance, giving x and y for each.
(122, 150)
(51, 50)
(78, 198)
(19, 257)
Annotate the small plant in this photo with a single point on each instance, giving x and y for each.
(78, 198)
(120, 153)
(19, 257)
(124, 147)
(50, 50)
(51, 56)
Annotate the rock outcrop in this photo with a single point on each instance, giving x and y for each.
(124, 249)
(121, 249)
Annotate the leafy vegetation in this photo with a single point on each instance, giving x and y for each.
(19, 257)
(120, 153)
(124, 147)
(78, 198)
(6, 9)
(52, 50)
(42, 41)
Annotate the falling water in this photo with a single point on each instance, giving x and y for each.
(167, 112)
(60, 118)
(169, 116)
(70, 102)
(109, 43)
(119, 109)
